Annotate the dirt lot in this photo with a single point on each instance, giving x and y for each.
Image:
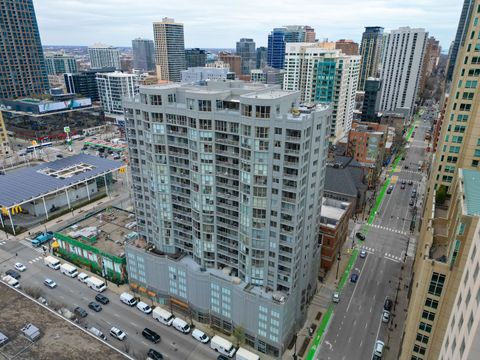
(59, 339)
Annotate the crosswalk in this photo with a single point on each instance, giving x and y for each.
(28, 244)
(38, 258)
(2, 243)
(389, 229)
(387, 256)
(411, 171)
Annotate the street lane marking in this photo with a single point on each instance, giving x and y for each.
(355, 289)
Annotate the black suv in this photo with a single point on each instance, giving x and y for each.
(13, 274)
(151, 335)
(80, 312)
(102, 299)
(154, 355)
(388, 304)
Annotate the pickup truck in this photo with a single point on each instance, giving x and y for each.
(42, 238)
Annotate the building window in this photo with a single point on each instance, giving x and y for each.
(470, 322)
(422, 338)
(428, 315)
(190, 104)
(436, 284)
(204, 105)
(262, 112)
(172, 98)
(462, 348)
(155, 100)
(419, 349)
(431, 303)
(247, 110)
(477, 153)
(425, 327)
(261, 132)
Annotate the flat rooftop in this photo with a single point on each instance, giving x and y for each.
(471, 188)
(106, 230)
(59, 339)
(27, 184)
(334, 209)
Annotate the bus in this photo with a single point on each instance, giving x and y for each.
(33, 148)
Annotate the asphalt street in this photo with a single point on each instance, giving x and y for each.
(72, 293)
(357, 318)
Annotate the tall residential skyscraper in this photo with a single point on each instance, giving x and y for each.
(58, 64)
(287, 34)
(261, 61)
(85, 82)
(246, 50)
(113, 87)
(371, 100)
(463, 24)
(430, 61)
(22, 65)
(143, 54)
(442, 321)
(324, 76)
(169, 49)
(228, 183)
(102, 55)
(195, 57)
(401, 68)
(370, 50)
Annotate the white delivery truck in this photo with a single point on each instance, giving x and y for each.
(96, 284)
(11, 281)
(128, 299)
(222, 346)
(51, 262)
(163, 316)
(69, 270)
(243, 354)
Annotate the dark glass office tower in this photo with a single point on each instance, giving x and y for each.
(22, 65)
(143, 54)
(370, 50)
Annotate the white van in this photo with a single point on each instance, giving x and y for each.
(244, 354)
(378, 350)
(181, 325)
(144, 307)
(222, 346)
(96, 284)
(69, 270)
(98, 333)
(128, 299)
(51, 262)
(163, 316)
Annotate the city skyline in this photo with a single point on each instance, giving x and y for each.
(116, 23)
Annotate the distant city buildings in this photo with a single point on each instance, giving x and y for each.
(324, 76)
(430, 61)
(58, 64)
(195, 57)
(267, 75)
(370, 51)
(22, 64)
(170, 49)
(246, 50)
(143, 54)
(261, 60)
(197, 74)
(281, 36)
(401, 69)
(235, 233)
(113, 87)
(348, 47)
(233, 61)
(102, 55)
(85, 82)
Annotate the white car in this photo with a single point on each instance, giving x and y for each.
(200, 336)
(20, 267)
(117, 333)
(50, 283)
(386, 316)
(144, 307)
(336, 297)
(363, 254)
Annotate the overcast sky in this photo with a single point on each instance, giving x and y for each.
(220, 23)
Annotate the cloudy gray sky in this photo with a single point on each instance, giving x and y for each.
(220, 23)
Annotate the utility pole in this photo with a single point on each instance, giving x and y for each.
(338, 264)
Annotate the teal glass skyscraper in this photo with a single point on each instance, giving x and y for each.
(22, 65)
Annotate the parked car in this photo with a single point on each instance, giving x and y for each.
(410, 182)
(360, 236)
(117, 333)
(412, 202)
(102, 299)
(151, 335)
(50, 283)
(95, 306)
(20, 267)
(385, 316)
(80, 312)
(144, 307)
(363, 254)
(388, 304)
(336, 297)
(154, 355)
(390, 189)
(13, 274)
(200, 336)
(222, 357)
(354, 278)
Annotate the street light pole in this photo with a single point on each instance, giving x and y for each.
(338, 264)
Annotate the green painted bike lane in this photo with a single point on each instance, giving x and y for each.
(353, 258)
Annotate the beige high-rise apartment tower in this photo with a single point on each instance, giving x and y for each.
(169, 49)
(443, 313)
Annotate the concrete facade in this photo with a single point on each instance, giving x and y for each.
(217, 180)
(197, 74)
(324, 76)
(58, 64)
(234, 62)
(113, 87)
(246, 50)
(348, 47)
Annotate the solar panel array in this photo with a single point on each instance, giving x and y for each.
(26, 184)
